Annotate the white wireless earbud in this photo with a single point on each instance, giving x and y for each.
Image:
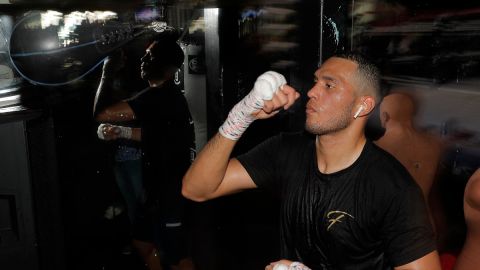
(360, 109)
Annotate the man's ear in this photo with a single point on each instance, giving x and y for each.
(369, 104)
(365, 107)
(384, 118)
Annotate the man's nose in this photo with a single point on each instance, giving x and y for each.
(312, 93)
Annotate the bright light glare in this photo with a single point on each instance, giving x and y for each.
(69, 22)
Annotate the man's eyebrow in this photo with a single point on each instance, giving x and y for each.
(327, 78)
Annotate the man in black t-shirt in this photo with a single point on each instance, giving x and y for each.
(166, 136)
(345, 203)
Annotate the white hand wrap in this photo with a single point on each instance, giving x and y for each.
(240, 117)
(280, 266)
(101, 132)
(293, 266)
(120, 131)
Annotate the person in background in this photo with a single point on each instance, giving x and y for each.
(345, 203)
(469, 257)
(117, 84)
(418, 151)
(165, 132)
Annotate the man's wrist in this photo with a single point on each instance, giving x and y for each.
(237, 122)
(125, 132)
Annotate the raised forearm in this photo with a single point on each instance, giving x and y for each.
(213, 173)
(116, 113)
(203, 178)
(103, 96)
(109, 92)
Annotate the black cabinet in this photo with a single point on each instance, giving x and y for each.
(31, 235)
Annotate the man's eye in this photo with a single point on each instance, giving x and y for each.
(329, 85)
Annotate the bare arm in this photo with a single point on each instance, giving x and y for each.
(118, 112)
(108, 108)
(430, 261)
(104, 96)
(213, 173)
(107, 94)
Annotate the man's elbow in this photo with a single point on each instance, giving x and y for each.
(188, 193)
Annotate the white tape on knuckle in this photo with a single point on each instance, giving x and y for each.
(279, 80)
(100, 134)
(280, 266)
(280, 77)
(274, 82)
(276, 77)
(273, 78)
(263, 88)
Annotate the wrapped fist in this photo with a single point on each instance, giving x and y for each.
(241, 116)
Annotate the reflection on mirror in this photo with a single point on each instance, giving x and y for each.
(69, 45)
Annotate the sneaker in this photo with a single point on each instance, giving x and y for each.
(127, 250)
(112, 212)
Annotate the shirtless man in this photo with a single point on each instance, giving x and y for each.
(469, 258)
(418, 151)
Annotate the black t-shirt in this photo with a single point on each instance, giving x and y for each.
(167, 139)
(371, 215)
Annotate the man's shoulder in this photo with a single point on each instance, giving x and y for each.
(386, 170)
(141, 94)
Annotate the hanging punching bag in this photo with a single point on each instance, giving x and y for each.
(50, 48)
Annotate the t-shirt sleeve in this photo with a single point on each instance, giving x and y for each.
(140, 106)
(262, 165)
(407, 231)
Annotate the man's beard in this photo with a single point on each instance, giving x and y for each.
(146, 73)
(335, 124)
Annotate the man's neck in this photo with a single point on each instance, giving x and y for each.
(159, 82)
(156, 83)
(395, 127)
(338, 151)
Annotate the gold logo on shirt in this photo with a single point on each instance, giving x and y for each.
(336, 217)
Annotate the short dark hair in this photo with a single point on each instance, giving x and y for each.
(168, 49)
(368, 71)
